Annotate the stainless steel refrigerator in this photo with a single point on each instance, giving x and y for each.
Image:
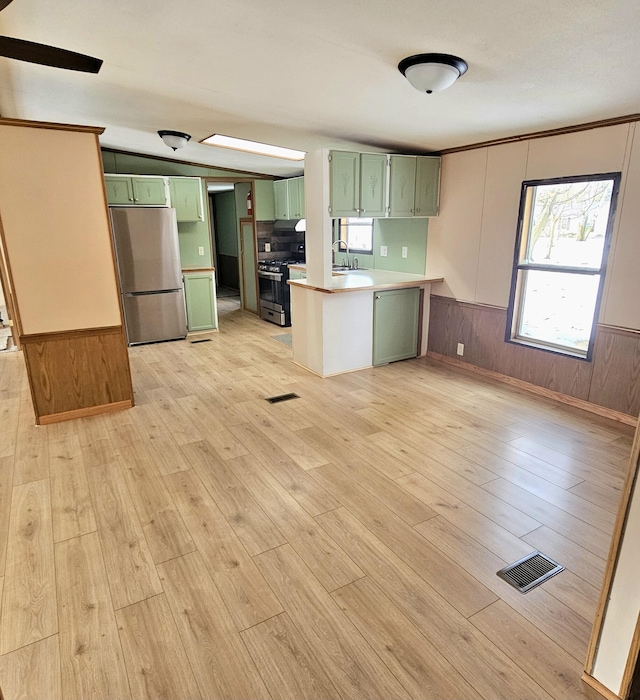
(146, 242)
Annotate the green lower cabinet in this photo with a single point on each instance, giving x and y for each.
(395, 325)
(200, 298)
(297, 275)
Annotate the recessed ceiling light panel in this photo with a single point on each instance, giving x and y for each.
(263, 149)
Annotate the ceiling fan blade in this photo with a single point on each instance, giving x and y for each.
(4, 3)
(47, 55)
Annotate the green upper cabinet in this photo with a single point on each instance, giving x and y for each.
(119, 189)
(402, 186)
(133, 190)
(344, 179)
(373, 184)
(186, 198)
(427, 185)
(358, 184)
(295, 188)
(264, 206)
(289, 198)
(414, 186)
(281, 195)
(149, 190)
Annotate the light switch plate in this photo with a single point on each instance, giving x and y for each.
(383, 251)
(267, 247)
(405, 251)
(201, 250)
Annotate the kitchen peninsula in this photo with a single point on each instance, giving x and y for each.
(333, 329)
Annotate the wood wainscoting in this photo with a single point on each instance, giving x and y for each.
(611, 380)
(78, 373)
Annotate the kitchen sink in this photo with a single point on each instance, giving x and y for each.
(343, 268)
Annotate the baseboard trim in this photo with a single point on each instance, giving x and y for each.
(534, 389)
(85, 412)
(595, 685)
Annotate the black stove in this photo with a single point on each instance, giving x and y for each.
(275, 295)
(275, 265)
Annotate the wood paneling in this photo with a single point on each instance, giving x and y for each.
(616, 370)
(79, 371)
(610, 380)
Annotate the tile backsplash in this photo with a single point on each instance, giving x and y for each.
(284, 244)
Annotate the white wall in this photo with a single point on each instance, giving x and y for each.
(623, 608)
(56, 229)
(471, 243)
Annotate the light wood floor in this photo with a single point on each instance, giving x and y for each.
(207, 544)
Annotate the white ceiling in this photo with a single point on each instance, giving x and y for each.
(309, 75)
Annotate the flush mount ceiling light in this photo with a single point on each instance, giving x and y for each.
(432, 72)
(174, 139)
(263, 149)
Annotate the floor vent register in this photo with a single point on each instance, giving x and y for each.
(282, 397)
(529, 572)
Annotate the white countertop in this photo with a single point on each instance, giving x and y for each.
(360, 280)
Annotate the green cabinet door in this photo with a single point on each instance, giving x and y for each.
(373, 184)
(119, 190)
(249, 283)
(186, 198)
(344, 178)
(200, 299)
(297, 275)
(281, 196)
(402, 186)
(295, 187)
(149, 190)
(395, 325)
(264, 205)
(427, 185)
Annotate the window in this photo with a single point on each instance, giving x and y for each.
(564, 229)
(357, 233)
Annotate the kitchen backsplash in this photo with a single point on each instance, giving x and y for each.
(284, 244)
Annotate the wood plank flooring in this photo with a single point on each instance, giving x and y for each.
(207, 544)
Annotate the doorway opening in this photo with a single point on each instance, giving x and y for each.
(233, 231)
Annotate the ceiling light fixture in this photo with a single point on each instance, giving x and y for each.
(263, 149)
(174, 139)
(432, 72)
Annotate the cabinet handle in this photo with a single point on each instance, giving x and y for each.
(417, 211)
(377, 296)
(363, 210)
(131, 199)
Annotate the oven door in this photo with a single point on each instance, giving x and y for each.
(271, 288)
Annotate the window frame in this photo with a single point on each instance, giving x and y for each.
(338, 234)
(520, 269)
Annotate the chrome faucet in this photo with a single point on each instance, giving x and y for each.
(355, 263)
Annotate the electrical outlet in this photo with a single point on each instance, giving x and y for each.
(383, 251)
(267, 247)
(405, 251)
(460, 349)
(201, 250)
